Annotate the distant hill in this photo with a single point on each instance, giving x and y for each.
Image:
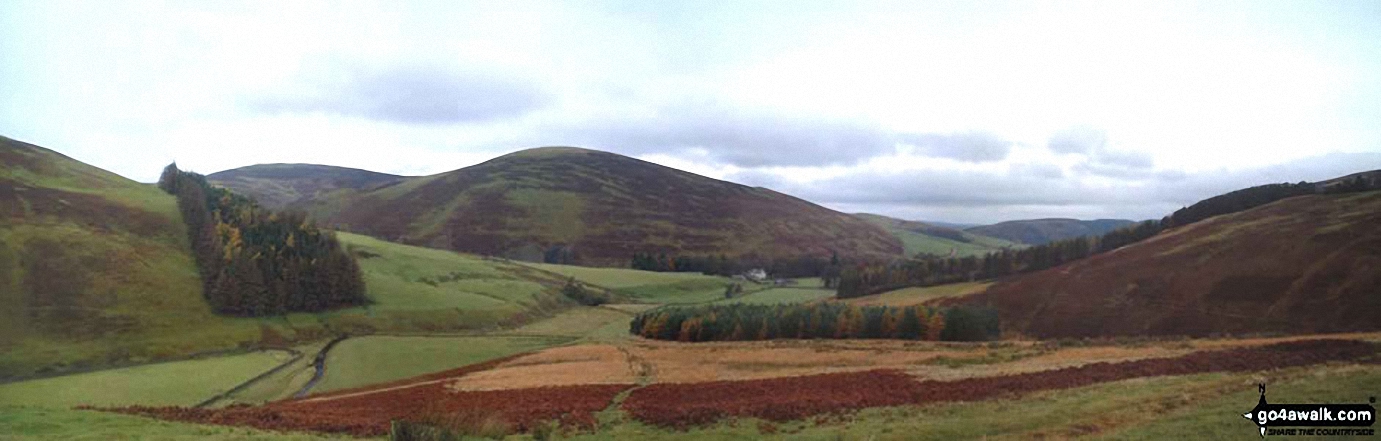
(1308, 263)
(951, 225)
(280, 185)
(594, 207)
(923, 237)
(1041, 231)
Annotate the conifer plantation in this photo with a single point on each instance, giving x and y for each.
(738, 322)
(257, 262)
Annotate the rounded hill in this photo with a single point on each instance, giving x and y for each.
(594, 207)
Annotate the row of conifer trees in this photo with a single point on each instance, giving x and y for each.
(256, 262)
(734, 322)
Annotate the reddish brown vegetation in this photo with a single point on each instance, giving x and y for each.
(369, 414)
(782, 399)
(1308, 264)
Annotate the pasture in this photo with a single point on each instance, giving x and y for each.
(618, 278)
(177, 383)
(363, 361)
(919, 295)
(783, 295)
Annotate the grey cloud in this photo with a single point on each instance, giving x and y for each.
(417, 95)
(1190, 188)
(735, 137)
(1036, 169)
(951, 188)
(1125, 159)
(968, 147)
(1079, 139)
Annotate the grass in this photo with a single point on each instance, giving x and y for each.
(576, 322)
(369, 360)
(180, 383)
(282, 384)
(117, 255)
(914, 242)
(620, 278)
(772, 296)
(918, 295)
(29, 423)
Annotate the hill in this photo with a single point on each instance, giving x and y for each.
(1041, 231)
(925, 238)
(94, 269)
(281, 185)
(1308, 263)
(573, 205)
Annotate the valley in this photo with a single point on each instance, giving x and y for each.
(109, 337)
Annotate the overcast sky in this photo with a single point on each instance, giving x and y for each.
(958, 111)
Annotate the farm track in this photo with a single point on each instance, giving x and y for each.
(296, 355)
(367, 411)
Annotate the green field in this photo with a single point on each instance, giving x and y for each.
(576, 322)
(918, 295)
(362, 361)
(915, 242)
(281, 384)
(772, 296)
(619, 278)
(30, 423)
(180, 383)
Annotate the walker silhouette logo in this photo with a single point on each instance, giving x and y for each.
(1281, 419)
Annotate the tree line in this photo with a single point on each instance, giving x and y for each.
(836, 320)
(256, 262)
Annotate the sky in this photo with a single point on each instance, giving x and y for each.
(968, 111)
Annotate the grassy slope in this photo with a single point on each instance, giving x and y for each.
(178, 383)
(915, 241)
(648, 286)
(605, 206)
(1040, 231)
(94, 269)
(773, 296)
(919, 295)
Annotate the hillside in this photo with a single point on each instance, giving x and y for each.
(1303, 264)
(1041, 231)
(96, 271)
(576, 205)
(95, 268)
(280, 185)
(922, 237)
